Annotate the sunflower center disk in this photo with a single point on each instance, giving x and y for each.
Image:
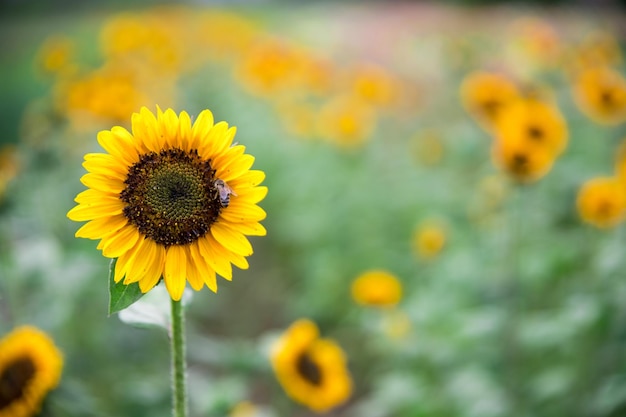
(14, 379)
(171, 196)
(309, 370)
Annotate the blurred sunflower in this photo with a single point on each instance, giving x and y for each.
(484, 95)
(56, 55)
(600, 93)
(602, 202)
(377, 288)
(30, 367)
(171, 200)
(534, 122)
(521, 160)
(429, 240)
(312, 371)
(346, 121)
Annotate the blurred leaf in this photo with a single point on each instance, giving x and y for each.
(120, 295)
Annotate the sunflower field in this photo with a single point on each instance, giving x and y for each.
(313, 208)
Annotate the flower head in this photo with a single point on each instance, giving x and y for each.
(171, 200)
(600, 93)
(312, 371)
(30, 367)
(429, 240)
(484, 95)
(377, 288)
(602, 202)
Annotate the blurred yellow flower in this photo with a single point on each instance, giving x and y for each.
(484, 95)
(244, 409)
(56, 54)
(377, 288)
(374, 85)
(110, 93)
(598, 48)
(30, 367)
(224, 35)
(429, 239)
(522, 160)
(9, 167)
(346, 121)
(534, 122)
(267, 68)
(396, 324)
(171, 200)
(600, 93)
(298, 118)
(148, 40)
(602, 202)
(312, 371)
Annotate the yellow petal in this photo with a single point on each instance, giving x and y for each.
(213, 142)
(208, 249)
(91, 211)
(105, 164)
(184, 133)
(250, 229)
(231, 239)
(146, 129)
(193, 274)
(121, 266)
(169, 126)
(155, 272)
(235, 168)
(118, 146)
(252, 195)
(201, 128)
(98, 228)
(204, 270)
(249, 179)
(103, 183)
(239, 213)
(175, 272)
(119, 242)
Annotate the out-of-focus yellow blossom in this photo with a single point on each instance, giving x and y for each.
(268, 68)
(111, 93)
(620, 162)
(427, 147)
(600, 93)
(147, 40)
(346, 121)
(56, 55)
(374, 85)
(535, 122)
(30, 367)
(377, 288)
(429, 240)
(598, 49)
(484, 96)
(224, 35)
(9, 167)
(522, 160)
(244, 409)
(311, 370)
(602, 202)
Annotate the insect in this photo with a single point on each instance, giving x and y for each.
(224, 192)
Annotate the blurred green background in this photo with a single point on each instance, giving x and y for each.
(521, 313)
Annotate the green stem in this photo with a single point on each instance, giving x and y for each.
(179, 362)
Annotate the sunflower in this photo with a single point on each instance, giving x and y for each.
(312, 371)
(171, 200)
(534, 122)
(602, 202)
(600, 93)
(377, 288)
(30, 367)
(484, 95)
(521, 160)
(429, 240)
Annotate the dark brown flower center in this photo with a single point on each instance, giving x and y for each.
(535, 133)
(308, 369)
(171, 196)
(14, 380)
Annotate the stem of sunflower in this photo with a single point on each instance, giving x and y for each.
(179, 362)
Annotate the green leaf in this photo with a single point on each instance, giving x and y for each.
(121, 295)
